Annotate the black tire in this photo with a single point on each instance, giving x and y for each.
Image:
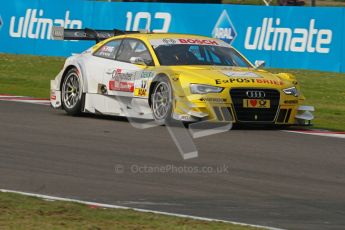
(71, 93)
(157, 97)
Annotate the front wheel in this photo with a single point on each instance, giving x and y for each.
(72, 93)
(161, 100)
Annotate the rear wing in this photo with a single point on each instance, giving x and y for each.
(60, 33)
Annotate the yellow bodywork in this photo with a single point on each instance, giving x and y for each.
(186, 104)
(205, 103)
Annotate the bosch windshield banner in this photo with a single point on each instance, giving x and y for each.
(284, 37)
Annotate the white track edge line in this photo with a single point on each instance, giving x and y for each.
(36, 102)
(334, 135)
(10, 96)
(135, 209)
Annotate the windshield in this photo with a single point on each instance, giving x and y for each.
(192, 54)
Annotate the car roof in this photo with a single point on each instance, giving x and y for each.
(148, 36)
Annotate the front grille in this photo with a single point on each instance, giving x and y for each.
(223, 113)
(255, 114)
(284, 116)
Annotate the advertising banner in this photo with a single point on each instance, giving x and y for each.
(284, 37)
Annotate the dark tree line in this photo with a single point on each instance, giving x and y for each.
(177, 1)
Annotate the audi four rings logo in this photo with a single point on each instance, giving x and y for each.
(255, 94)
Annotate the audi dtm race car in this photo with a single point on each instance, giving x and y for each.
(172, 76)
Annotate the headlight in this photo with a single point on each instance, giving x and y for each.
(203, 89)
(291, 91)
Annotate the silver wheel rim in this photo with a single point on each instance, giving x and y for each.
(71, 90)
(161, 101)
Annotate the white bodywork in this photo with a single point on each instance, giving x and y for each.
(99, 76)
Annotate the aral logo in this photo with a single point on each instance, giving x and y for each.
(224, 28)
(1, 23)
(33, 25)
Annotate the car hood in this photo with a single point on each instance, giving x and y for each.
(232, 76)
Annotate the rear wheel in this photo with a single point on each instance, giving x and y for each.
(161, 100)
(72, 93)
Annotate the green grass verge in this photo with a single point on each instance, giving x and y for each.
(22, 212)
(323, 90)
(30, 76)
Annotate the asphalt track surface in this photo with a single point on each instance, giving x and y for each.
(274, 178)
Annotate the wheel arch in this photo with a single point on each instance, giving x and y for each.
(154, 83)
(78, 67)
(82, 95)
(64, 74)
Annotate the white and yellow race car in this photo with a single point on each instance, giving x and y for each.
(173, 76)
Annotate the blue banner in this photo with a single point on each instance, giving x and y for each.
(285, 37)
(343, 44)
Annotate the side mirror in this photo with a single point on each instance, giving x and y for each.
(259, 64)
(137, 61)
